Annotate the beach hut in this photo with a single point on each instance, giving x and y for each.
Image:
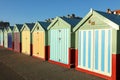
(39, 40)
(26, 38)
(60, 41)
(1, 36)
(17, 37)
(98, 44)
(5, 37)
(10, 36)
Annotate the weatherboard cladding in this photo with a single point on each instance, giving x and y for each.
(39, 34)
(97, 43)
(111, 19)
(26, 37)
(5, 38)
(1, 36)
(60, 38)
(10, 36)
(17, 37)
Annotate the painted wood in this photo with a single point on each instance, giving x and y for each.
(59, 45)
(39, 44)
(26, 42)
(5, 38)
(1, 38)
(94, 48)
(9, 40)
(17, 41)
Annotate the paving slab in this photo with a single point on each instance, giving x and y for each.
(24, 67)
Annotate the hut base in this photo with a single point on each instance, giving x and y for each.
(46, 54)
(1, 46)
(115, 68)
(38, 57)
(17, 51)
(58, 63)
(71, 56)
(9, 48)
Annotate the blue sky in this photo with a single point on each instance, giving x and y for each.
(22, 11)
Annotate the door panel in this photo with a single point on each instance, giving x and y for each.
(26, 42)
(9, 40)
(5, 40)
(38, 44)
(85, 52)
(59, 45)
(1, 38)
(94, 50)
(17, 41)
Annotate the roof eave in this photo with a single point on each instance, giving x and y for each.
(54, 21)
(83, 20)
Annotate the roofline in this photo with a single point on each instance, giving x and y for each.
(35, 26)
(109, 22)
(23, 27)
(54, 21)
(83, 20)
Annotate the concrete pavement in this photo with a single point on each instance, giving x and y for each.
(16, 66)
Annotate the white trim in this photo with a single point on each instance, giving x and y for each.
(99, 49)
(92, 50)
(81, 49)
(86, 49)
(106, 51)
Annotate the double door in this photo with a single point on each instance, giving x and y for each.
(94, 50)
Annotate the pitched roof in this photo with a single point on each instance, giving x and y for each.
(19, 26)
(1, 28)
(72, 21)
(11, 27)
(109, 18)
(44, 24)
(113, 17)
(30, 25)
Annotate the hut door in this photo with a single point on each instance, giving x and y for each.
(94, 50)
(41, 44)
(16, 41)
(9, 40)
(63, 45)
(38, 44)
(59, 45)
(26, 42)
(15, 45)
(5, 39)
(102, 51)
(1, 38)
(85, 49)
